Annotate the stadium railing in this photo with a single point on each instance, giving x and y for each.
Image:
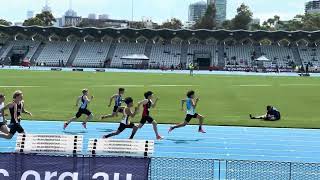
(15, 166)
(60, 157)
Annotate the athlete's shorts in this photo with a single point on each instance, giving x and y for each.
(83, 111)
(272, 118)
(14, 128)
(2, 124)
(145, 119)
(123, 126)
(189, 117)
(117, 109)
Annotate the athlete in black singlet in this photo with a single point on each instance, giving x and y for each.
(83, 109)
(16, 108)
(125, 121)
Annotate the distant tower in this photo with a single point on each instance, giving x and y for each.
(46, 7)
(30, 14)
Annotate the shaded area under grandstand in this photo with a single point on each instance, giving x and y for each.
(234, 143)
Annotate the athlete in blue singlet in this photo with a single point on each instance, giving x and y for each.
(191, 104)
(118, 99)
(83, 109)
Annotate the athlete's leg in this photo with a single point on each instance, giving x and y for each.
(178, 126)
(201, 118)
(114, 114)
(89, 118)
(155, 128)
(112, 134)
(4, 129)
(134, 131)
(6, 136)
(140, 125)
(258, 117)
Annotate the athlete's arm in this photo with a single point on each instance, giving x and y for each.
(77, 102)
(15, 113)
(25, 111)
(195, 102)
(143, 102)
(3, 109)
(87, 99)
(154, 103)
(130, 113)
(111, 99)
(182, 103)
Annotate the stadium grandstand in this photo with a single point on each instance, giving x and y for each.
(238, 50)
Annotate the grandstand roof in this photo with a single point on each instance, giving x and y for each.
(167, 34)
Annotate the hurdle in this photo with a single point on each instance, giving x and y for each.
(121, 147)
(49, 144)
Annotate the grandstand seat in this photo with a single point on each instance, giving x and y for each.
(92, 54)
(125, 49)
(165, 55)
(53, 52)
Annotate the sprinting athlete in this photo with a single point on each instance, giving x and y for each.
(272, 114)
(16, 108)
(83, 109)
(191, 104)
(147, 103)
(3, 123)
(118, 99)
(125, 122)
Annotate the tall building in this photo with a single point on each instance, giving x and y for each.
(46, 7)
(30, 14)
(221, 7)
(92, 16)
(312, 7)
(103, 16)
(197, 11)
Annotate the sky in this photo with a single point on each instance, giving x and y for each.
(158, 10)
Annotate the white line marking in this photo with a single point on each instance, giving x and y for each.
(299, 84)
(19, 86)
(253, 85)
(172, 85)
(120, 85)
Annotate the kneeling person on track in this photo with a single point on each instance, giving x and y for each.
(125, 122)
(272, 115)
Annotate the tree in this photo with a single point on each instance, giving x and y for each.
(4, 22)
(227, 24)
(33, 22)
(208, 21)
(137, 25)
(172, 24)
(46, 17)
(243, 17)
(43, 19)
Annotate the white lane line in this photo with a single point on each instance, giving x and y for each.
(119, 85)
(253, 85)
(299, 84)
(20, 86)
(172, 85)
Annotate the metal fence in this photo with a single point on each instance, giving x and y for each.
(196, 169)
(155, 168)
